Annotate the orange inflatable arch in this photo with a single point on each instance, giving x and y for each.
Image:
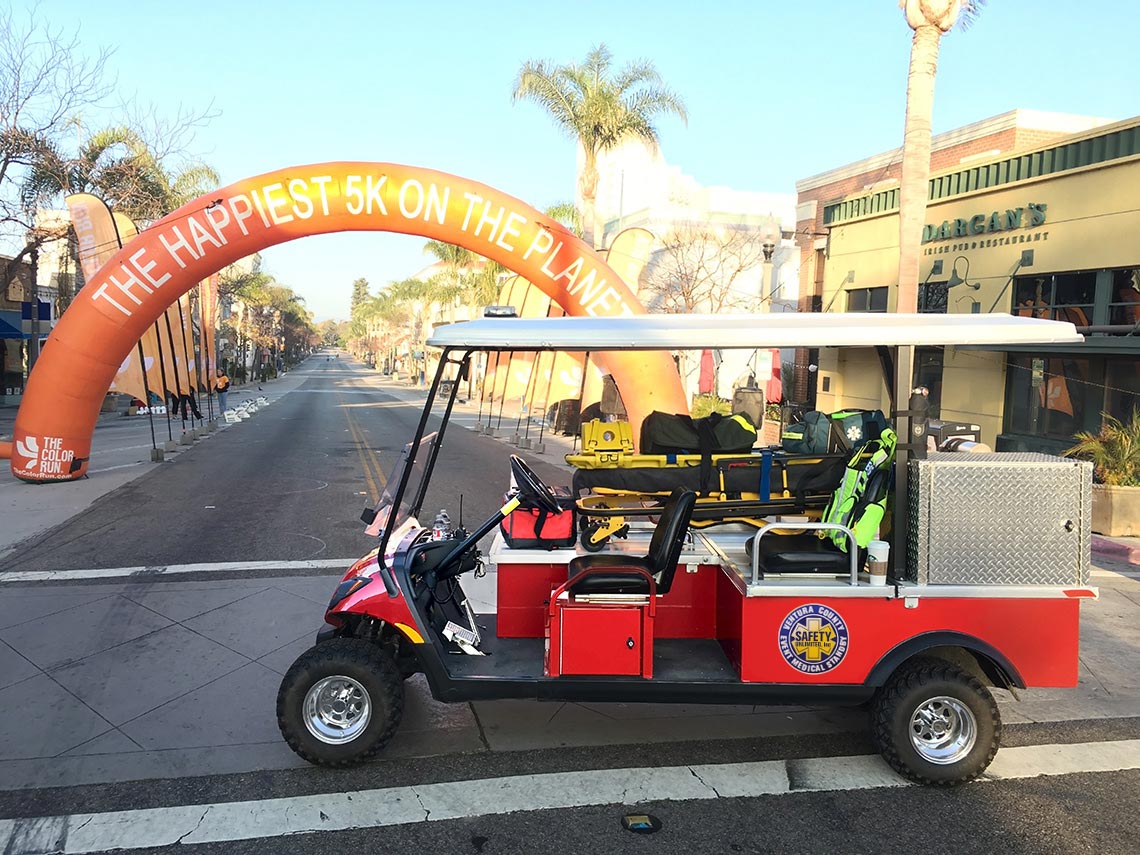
(52, 438)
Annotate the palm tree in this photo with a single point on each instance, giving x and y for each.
(117, 165)
(384, 317)
(419, 297)
(599, 109)
(929, 19)
(250, 288)
(567, 214)
(466, 276)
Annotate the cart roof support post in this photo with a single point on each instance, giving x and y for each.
(904, 373)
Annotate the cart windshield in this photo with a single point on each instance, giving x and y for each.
(396, 508)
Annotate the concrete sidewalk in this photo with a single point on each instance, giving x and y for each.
(1119, 549)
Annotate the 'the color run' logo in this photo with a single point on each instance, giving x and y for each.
(48, 459)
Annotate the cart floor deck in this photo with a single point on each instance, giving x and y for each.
(674, 659)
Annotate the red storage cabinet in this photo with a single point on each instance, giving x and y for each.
(600, 639)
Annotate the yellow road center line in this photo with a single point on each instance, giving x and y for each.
(374, 492)
(373, 456)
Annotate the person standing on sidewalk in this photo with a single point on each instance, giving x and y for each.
(222, 385)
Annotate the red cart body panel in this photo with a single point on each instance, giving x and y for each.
(840, 640)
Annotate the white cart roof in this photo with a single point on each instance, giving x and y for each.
(791, 329)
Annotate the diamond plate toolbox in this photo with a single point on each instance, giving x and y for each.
(999, 519)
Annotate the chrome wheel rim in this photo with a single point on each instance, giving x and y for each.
(943, 730)
(337, 709)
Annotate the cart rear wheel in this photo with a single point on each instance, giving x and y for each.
(935, 724)
(340, 702)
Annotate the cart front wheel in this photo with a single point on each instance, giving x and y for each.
(340, 702)
(936, 724)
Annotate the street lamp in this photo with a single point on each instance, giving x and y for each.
(769, 239)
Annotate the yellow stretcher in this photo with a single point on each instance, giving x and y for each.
(613, 484)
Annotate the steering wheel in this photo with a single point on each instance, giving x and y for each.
(532, 487)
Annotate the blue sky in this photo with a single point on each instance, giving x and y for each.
(775, 91)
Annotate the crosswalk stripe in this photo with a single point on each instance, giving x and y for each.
(171, 570)
(246, 820)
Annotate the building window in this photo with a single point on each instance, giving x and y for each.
(1053, 397)
(1124, 302)
(867, 300)
(1122, 392)
(928, 373)
(932, 297)
(1060, 297)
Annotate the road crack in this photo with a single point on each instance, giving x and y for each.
(704, 782)
(423, 807)
(83, 824)
(479, 724)
(201, 819)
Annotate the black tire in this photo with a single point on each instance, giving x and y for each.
(588, 542)
(379, 680)
(922, 682)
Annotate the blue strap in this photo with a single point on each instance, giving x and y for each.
(765, 474)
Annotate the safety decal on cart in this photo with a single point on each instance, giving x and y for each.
(813, 639)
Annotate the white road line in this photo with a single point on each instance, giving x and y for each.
(372, 391)
(247, 820)
(171, 570)
(113, 468)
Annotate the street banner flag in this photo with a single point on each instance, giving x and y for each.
(629, 253)
(562, 377)
(168, 325)
(184, 344)
(128, 231)
(98, 240)
(532, 303)
(94, 231)
(208, 321)
(510, 294)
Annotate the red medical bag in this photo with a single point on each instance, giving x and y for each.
(531, 527)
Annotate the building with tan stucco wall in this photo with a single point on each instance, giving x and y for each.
(1048, 230)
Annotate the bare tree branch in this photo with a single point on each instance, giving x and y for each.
(699, 266)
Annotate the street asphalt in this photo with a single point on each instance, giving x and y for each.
(156, 688)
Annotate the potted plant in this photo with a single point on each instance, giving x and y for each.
(1115, 455)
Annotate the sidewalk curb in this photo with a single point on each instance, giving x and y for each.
(1116, 551)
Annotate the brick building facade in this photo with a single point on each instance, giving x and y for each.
(1028, 213)
(1017, 130)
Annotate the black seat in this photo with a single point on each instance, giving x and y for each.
(804, 552)
(617, 573)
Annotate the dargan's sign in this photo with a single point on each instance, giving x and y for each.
(1033, 214)
(128, 293)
